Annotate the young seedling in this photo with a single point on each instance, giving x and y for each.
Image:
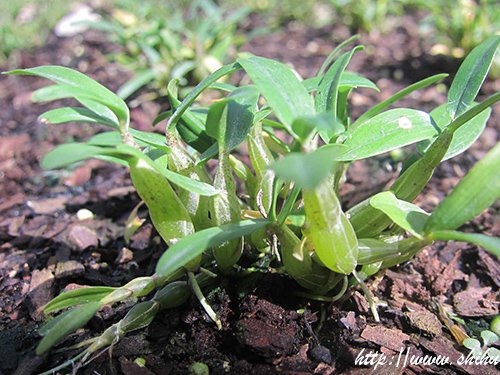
(288, 210)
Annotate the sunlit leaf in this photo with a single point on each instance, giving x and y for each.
(284, 92)
(388, 131)
(470, 76)
(478, 190)
(408, 216)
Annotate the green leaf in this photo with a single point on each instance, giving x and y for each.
(490, 244)
(308, 170)
(331, 233)
(189, 184)
(478, 190)
(188, 248)
(139, 316)
(326, 97)
(77, 297)
(382, 106)
(66, 323)
(463, 137)
(230, 119)
(86, 98)
(348, 80)
(202, 86)
(69, 153)
(241, 109)
(80, 82)
(155, 140)
(470, 76)
(388, 131)
(323, 122)
(190, 127)
(75, 114)
(135, 83)
(408, 216)
(284, 92)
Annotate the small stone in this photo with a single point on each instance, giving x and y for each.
(124, 256)
(84, 214)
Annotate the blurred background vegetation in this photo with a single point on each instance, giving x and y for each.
(197, 35)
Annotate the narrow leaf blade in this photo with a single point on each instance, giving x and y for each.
(284, 92)
(470, 76)
(188, 248)
(65, 324)
(388, 131)
(405, 214)
(490, 244)
(479, 189)
(76, 297)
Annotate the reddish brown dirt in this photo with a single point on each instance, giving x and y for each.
(266, 329)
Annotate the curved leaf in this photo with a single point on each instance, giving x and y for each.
(405, 214)
(79, 81)
(388, 131)
(470, 76)
(188, 248)
(284, 92)
(463, 137)
(75, 114)
(58, 328)
(478, 190)
(77, 297)
(382, 106)
(488, 243)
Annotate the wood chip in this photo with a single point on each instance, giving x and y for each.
(70, 268)
(425, 322)
(443, 347)
(82, 238)
(476, 302)
(40, 292)
(390, 338)
(47, 206)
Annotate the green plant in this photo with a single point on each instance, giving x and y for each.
(485, 350)
(27, 23)
(463, 25)
(291, 216)
(184, 41)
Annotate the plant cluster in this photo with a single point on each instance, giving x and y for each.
(184, 41)
(288, 216)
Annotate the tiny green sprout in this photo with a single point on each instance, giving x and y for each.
(478, 350)
(224, 215)
(199, 368)
(140, 361)
(495, 325)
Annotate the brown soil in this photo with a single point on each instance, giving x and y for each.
(44, 248)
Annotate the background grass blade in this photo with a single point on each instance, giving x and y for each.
(478, 190)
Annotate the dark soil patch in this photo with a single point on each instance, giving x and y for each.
(45, 247)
